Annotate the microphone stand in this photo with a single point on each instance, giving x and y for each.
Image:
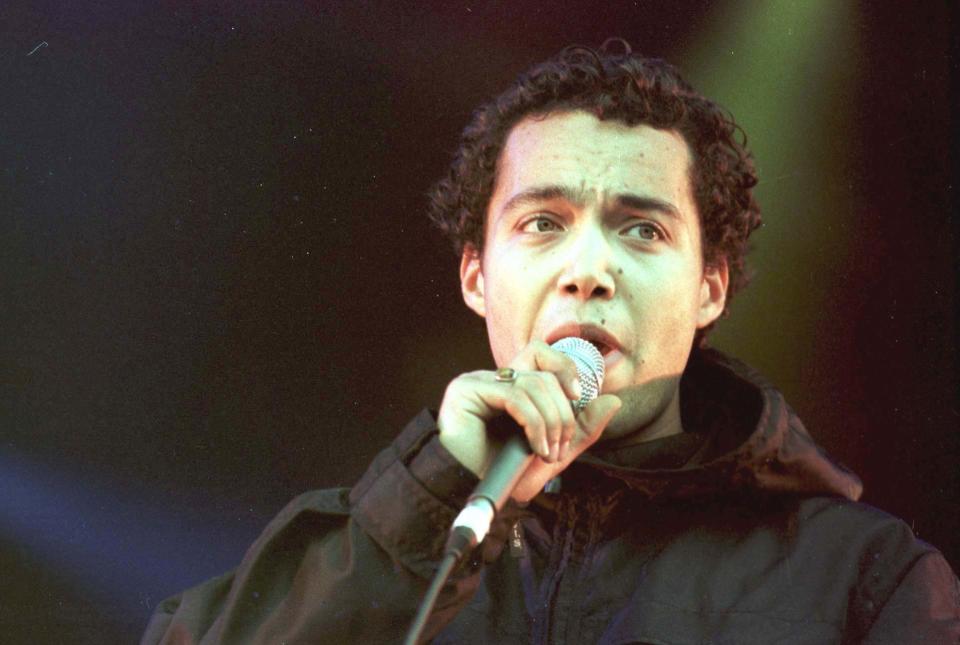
(473, 523)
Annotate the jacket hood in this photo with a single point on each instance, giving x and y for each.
(744, 439)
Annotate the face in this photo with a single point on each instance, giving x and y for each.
(592, 230)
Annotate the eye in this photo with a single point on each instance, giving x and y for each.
(645, 231)
(540, 224)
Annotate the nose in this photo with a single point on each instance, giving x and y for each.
(587, 272)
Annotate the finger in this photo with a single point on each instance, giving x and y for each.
(538, 356)
(593, 419)
(544, 390)
(516, 402)
(570, 427)
(524, 409)
(591, 422)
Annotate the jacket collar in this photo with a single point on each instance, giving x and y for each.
(749, 440)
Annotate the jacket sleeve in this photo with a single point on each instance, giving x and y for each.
(340, 566)
(924, 607)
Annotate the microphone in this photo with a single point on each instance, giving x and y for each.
(473, 523)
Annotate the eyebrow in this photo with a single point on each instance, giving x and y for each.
(539, 194)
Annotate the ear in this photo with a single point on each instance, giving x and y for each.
(713, 292)
(471, 279)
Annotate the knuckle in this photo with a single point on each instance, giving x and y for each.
(535, 426)
(541, 384)
(557, 421)
(541, 425)
(539, 345)
(454, 386)
(549, 421)
(552, 379)
(463, 379)
(528, 382)
(515, 408)
(555, 432)
(516, 398)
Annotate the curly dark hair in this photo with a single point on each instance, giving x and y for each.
(629, 88)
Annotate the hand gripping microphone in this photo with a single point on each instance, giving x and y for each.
(473, 522)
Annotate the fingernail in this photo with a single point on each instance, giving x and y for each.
(554, 451)
(544, 448)
(576, 389)
(564, 449)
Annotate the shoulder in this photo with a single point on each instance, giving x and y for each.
(854, 530)
(858, 523)
(325, 500)
(905, 590)
(890, 570)
(315, 506)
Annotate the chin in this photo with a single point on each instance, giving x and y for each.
(644, 405)
(618, 373)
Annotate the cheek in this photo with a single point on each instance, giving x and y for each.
(512, 285)
(665, 303)
(505, 317)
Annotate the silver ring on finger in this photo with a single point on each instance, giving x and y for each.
(505, 375)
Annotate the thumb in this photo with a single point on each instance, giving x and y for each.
(595, 417)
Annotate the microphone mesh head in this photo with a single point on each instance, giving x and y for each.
(589, 362)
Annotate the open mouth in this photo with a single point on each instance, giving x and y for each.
(600, 338)
(602, 346)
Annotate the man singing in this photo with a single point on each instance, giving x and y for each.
(599, 197)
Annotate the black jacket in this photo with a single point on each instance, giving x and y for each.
(739, 530)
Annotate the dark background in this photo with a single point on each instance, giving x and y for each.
(218, 290)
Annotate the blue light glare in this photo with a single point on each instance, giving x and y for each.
(119, 545)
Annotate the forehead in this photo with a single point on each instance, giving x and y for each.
(599, 158)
